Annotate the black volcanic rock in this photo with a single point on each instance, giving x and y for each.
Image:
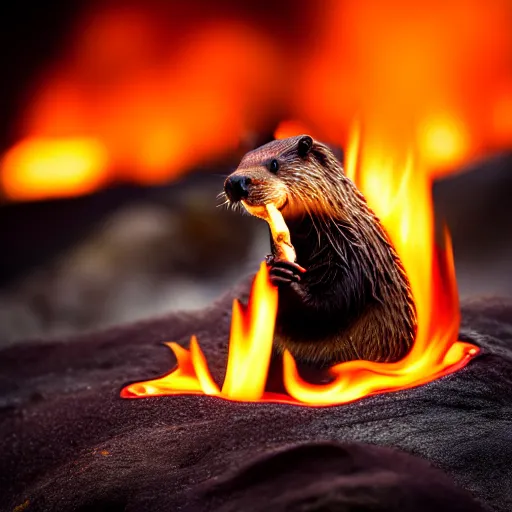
(333, 476)
(68, 442)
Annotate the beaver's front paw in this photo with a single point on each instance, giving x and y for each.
(283, 271)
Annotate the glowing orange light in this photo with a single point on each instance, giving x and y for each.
(442, 141)
(400, 194)
(45, 168)
(251, 337)
(164, 87)
(250, 347)
(158, 100)
(191, 376)
(291, 128)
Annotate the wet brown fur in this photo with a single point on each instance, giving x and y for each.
(354, 301)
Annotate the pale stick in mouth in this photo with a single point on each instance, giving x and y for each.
(280, 232)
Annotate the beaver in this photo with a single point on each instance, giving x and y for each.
(347, 295)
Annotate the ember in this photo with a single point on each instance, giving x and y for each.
(405, 208)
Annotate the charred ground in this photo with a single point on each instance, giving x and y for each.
(68, 442)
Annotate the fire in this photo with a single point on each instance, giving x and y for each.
(400, 194)
(40, 167)
(291, 128)
(154, 86)
(144, 91)
(443, 141)
(250, 348)
(167, 86)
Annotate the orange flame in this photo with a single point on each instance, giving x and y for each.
(403, 203)
(38, 168)
(158, 98)
(405, 207)
(166, 86)
(291, 128)
(250, 348)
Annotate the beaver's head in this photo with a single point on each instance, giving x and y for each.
(298, 175)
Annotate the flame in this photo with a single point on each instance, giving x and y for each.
(38, 168)
(443, 141)
(291, 128)
(444, 66)
(403, 202)
(250, 348)
(144, 91)
(192, 376)
(154, 86)
(251, 337)
(166, 86)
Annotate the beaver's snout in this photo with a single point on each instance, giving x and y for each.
(237, 188)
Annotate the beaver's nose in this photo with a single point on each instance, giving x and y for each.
(237, 187)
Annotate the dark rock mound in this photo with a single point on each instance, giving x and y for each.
(68, 442)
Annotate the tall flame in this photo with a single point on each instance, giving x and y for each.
(250, 348)
(400, 194)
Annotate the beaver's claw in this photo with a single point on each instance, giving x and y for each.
(283, 271)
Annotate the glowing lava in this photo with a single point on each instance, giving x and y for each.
(402, 200)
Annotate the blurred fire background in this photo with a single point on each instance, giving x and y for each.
(120, 120)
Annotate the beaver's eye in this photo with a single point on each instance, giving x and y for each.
(274, 166)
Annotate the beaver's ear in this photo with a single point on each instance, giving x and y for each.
(304, 146)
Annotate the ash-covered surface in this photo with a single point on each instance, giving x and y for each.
(68, 442)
